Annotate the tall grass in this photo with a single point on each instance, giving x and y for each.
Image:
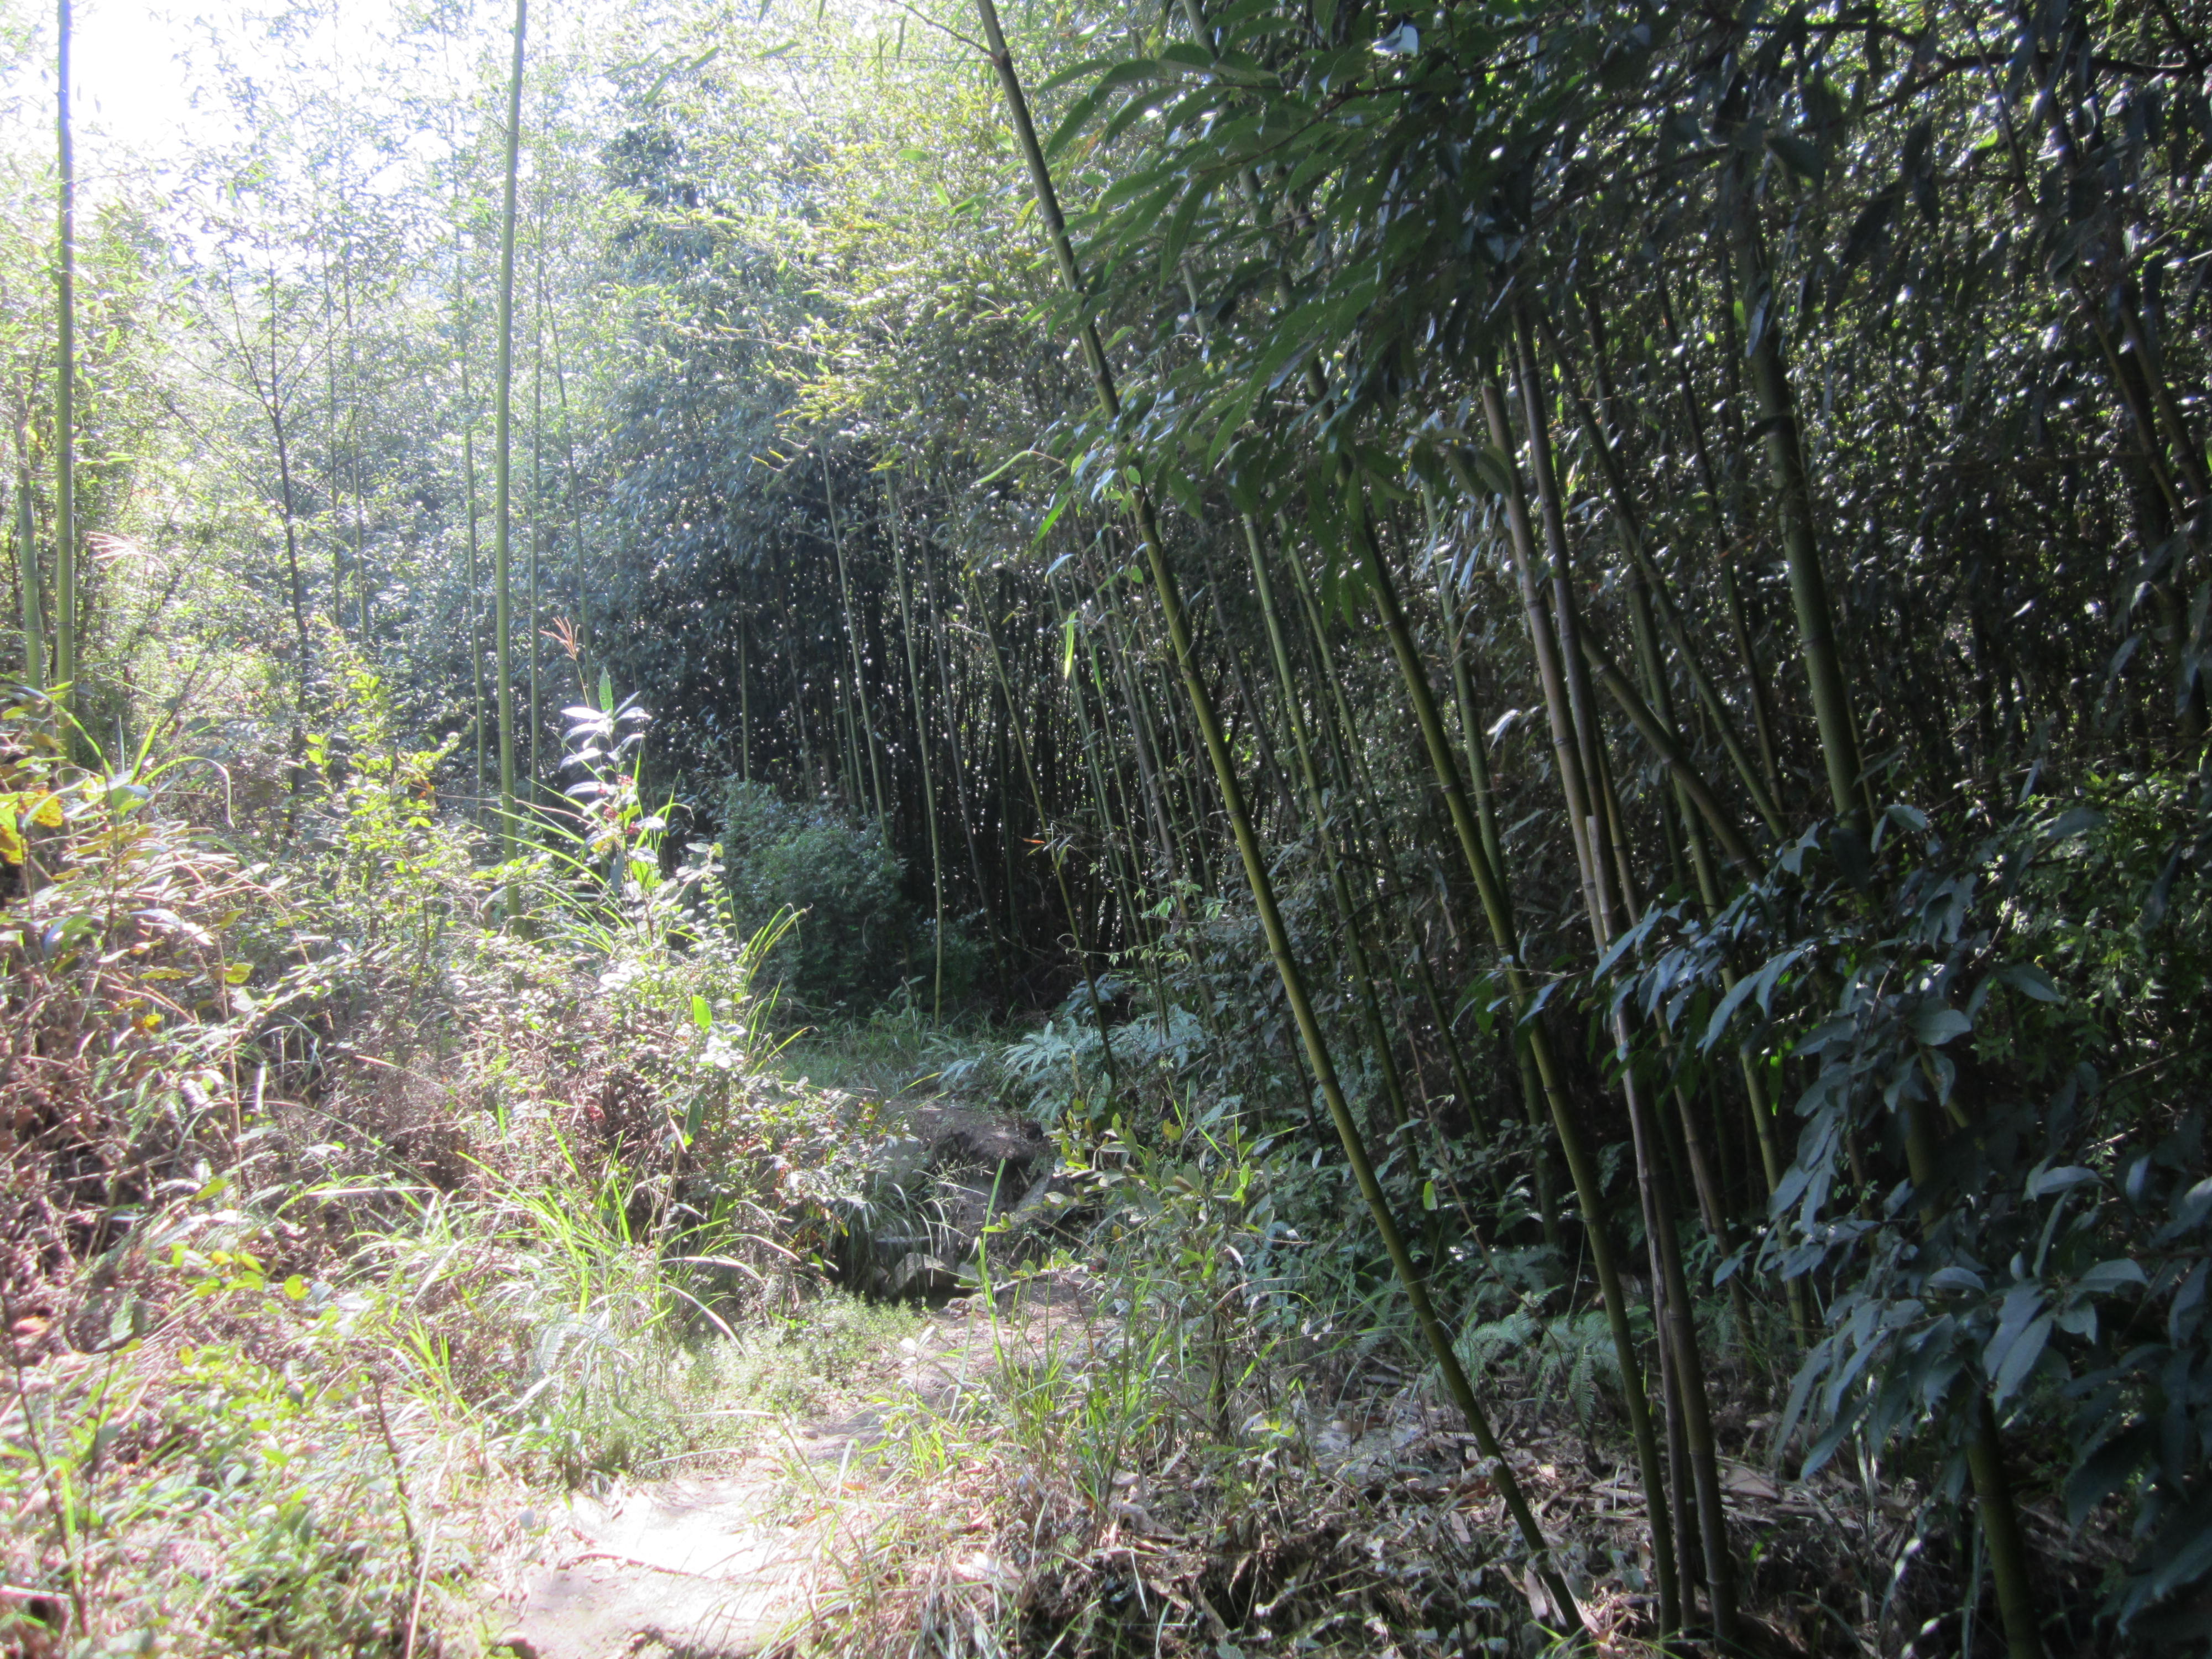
(339, 1244)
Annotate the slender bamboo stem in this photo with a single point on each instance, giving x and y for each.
(1808, 585)
(473, 609)
(502, 446)
(1520, 540)
(28, 579)
(65, 601)
(1348, 912)
(1471, 740)
(920, 728)
(583, 586)
(951, 707)
(861, 713)
(1249, 850)
(744, 700)
(1052, 851)
(534, 623)
(1648, 588)
(1571, 711)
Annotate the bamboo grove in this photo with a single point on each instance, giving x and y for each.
(1612, 600)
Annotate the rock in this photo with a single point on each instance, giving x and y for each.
(931, 1192)
(921, 1275)
(1034, 1210)
(680, 1568)
(900, 1163)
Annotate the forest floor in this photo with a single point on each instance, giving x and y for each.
(1025, 1461)
(751, 1548)
(485, 1422)
(797, 1529)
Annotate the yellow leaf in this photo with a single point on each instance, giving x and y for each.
(48, 812)
(238, 973)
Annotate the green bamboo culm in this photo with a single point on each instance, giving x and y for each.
(27, 580)
(64, 389)
(534, 625)
(462, 333)
(865, 716)
(1255, 858)
(476, 609)
(502, 445)
(1075, 928)
(1491, 890)
(1825, 683)
(921, 753)
(575, 516)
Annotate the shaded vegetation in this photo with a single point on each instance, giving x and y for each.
(1535, 678)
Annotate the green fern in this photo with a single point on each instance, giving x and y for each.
(1481, 1345)
(1571, 1357)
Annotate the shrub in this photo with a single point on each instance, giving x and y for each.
(856, 936)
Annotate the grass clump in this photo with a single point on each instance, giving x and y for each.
(337, 1242)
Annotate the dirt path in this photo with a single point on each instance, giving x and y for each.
(730, 1563)
(679, 1567)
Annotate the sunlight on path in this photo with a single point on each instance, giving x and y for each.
(681, 1567)
(726, 1566)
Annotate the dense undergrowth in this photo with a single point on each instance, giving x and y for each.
(1575, 757)
(339, 1219)
(364, 1198)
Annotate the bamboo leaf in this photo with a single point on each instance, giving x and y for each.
(1235, 412)
(1935, 1025)
(1059, 507)
(1180, 226)
(1494, 469)
(1799, 155)
(1135, 185)
(1075, 120)
(1074, 72)
(1128, 115)
(1181, 486)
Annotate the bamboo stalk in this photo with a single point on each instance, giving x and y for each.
(65, 600)
(1567, 757)
(867, 719)
(937, 635)
(922, 747)
(1127, 883)
(1808, 585)
(502, 446)
(1486, 802)
(1255, 869)
(27, 578)
(1649, 586)
(1075, 929)
(575, 510)
(1318, 817)
(534, 624)
(1569, 705)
